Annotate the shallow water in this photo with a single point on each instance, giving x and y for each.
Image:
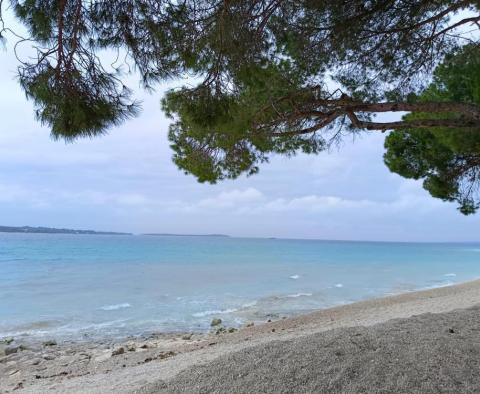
(91, 285)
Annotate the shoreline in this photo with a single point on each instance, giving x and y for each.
(131, 365)
(85, 337)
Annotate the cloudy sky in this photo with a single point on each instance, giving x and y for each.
(126, 181)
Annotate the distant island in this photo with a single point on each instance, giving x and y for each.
(48, 230)
(187, 235)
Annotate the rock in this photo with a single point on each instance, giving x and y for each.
(250, 324)
(36, 361)
(131, 346)
(50, 343)
(144, 346)
(10, 350)
(48, 357)
(220, 330)
(164, 355)
(7, 341)
(232, 329)
(216, 322)
(273, 330)
(118, 351)
(187, 337)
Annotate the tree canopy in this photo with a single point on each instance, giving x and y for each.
(275, 77)
(448, 159)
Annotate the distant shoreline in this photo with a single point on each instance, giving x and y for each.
(185, 235)
(51, 230)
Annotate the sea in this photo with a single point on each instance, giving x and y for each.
(114, 286)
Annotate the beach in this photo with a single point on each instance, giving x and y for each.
(424, 341)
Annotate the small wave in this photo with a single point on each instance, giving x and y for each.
(436, 286)
(450, 274)
(249, 304)
(298, 295)
(115, 307)
(339, 285)
(294, 277)
(214, 312)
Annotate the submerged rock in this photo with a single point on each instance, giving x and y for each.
(187, 337)
(216, 322)
(50, 343)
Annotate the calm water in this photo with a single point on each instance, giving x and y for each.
(81, 285)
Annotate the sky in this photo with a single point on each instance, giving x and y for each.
(126, 181)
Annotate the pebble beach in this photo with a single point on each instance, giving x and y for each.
(323, 351)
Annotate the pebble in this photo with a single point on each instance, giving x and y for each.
(11, 350)
(118, 351)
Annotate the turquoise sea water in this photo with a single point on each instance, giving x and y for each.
(74, 286)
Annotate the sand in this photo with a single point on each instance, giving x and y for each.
(419, 342)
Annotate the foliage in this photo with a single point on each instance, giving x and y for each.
(274, 77)
(448, 159)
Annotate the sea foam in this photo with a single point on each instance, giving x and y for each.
(115, 307)
(214, 312)
(298, 295)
